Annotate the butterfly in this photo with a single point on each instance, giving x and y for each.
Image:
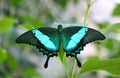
(72, 38)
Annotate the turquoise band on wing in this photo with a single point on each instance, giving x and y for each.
(76, 38)
(44, 39)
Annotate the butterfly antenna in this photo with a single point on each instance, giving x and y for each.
(78, 62)
(46, 63)
(69, 20)
(56, 18)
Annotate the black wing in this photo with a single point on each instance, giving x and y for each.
(75, 38)
(51, 33)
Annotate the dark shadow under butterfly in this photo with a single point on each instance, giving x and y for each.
(48, 40)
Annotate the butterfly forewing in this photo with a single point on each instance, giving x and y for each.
(72, 37)
(46, 38)
(28, 38)
(67, 34)
(92, 35)
(75, 38)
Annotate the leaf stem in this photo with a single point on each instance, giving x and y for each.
(73, 69)
(89, 4)
(68, 73)
(6, 40)
(87, 13)
(62, 57)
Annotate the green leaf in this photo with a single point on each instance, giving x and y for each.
(118, 52)
(15, 3)
(75, 1)
(112, 28)
(27, 27)
(3, 55)
(62, 3)
(4, 74)
(111, 44)
(30, 73)
(62, 56)
(112, 66)
(36, 23)
(6, 24)
(116, 11)
(103, 25)
(12, 63)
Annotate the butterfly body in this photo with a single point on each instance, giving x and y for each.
(48, 40)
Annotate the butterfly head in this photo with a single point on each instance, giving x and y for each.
(59, 26)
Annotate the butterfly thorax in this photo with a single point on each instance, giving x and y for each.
(60, 32)
(59, 29)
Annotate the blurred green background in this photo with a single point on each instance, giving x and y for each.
(99, 59)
